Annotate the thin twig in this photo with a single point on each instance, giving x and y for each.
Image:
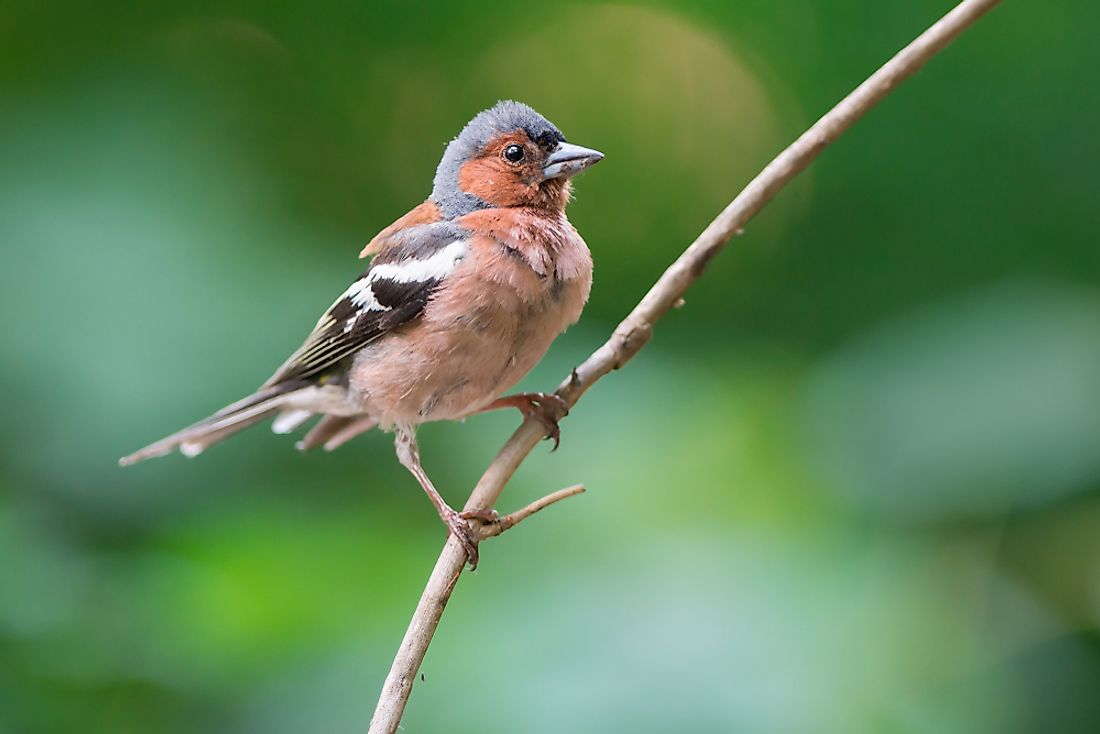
(509, 521)
(633, 333)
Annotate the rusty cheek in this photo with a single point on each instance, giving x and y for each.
(495, 182)
(425, 213)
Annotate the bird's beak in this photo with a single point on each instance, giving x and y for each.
(568, 160)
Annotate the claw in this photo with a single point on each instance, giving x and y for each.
(548, 408)
(484, 516)
(461, 530)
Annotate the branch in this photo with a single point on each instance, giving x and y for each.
(497, 525)
(637, 328)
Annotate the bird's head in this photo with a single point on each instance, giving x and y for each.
(508, 156)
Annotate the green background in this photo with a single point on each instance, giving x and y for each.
(853, 486)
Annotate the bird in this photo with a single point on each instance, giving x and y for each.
(462, 297)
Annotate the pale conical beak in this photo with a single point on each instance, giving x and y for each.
(567, 160)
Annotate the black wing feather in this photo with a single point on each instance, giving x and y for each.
(332, 339)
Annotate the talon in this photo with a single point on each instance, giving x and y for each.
(553, 432)
(483, 516)
(548, 408)
(561, 405)
(461, 530)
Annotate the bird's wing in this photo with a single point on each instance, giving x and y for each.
(392, 292)
(425, 213)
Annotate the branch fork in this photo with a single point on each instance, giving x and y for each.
(490, 524)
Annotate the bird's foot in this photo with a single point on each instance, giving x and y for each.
(456, 523)
(548, 408)
(485, 517)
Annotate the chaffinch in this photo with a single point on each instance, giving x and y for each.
(463, 296)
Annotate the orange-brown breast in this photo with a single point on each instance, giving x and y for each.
(484, 329)
(545, 241)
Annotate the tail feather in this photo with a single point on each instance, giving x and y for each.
(323, 430)
(290, 420)
(194, 439)
(192, 447)
(334, 431)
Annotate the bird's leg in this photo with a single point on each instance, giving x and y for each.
(547, 407)
(409, 456)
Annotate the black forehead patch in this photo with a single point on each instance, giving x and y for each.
(545, 138)
(500, 119)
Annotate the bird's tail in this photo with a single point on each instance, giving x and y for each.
(196, 438)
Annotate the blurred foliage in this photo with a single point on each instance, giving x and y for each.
(853, 486)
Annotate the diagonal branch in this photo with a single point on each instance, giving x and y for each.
(635, 330)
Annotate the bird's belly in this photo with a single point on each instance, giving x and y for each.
(442, 368)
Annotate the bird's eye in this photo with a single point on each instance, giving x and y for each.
(513, 153)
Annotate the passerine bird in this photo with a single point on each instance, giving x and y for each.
(463, 296)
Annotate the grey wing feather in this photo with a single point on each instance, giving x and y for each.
(392, 292)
